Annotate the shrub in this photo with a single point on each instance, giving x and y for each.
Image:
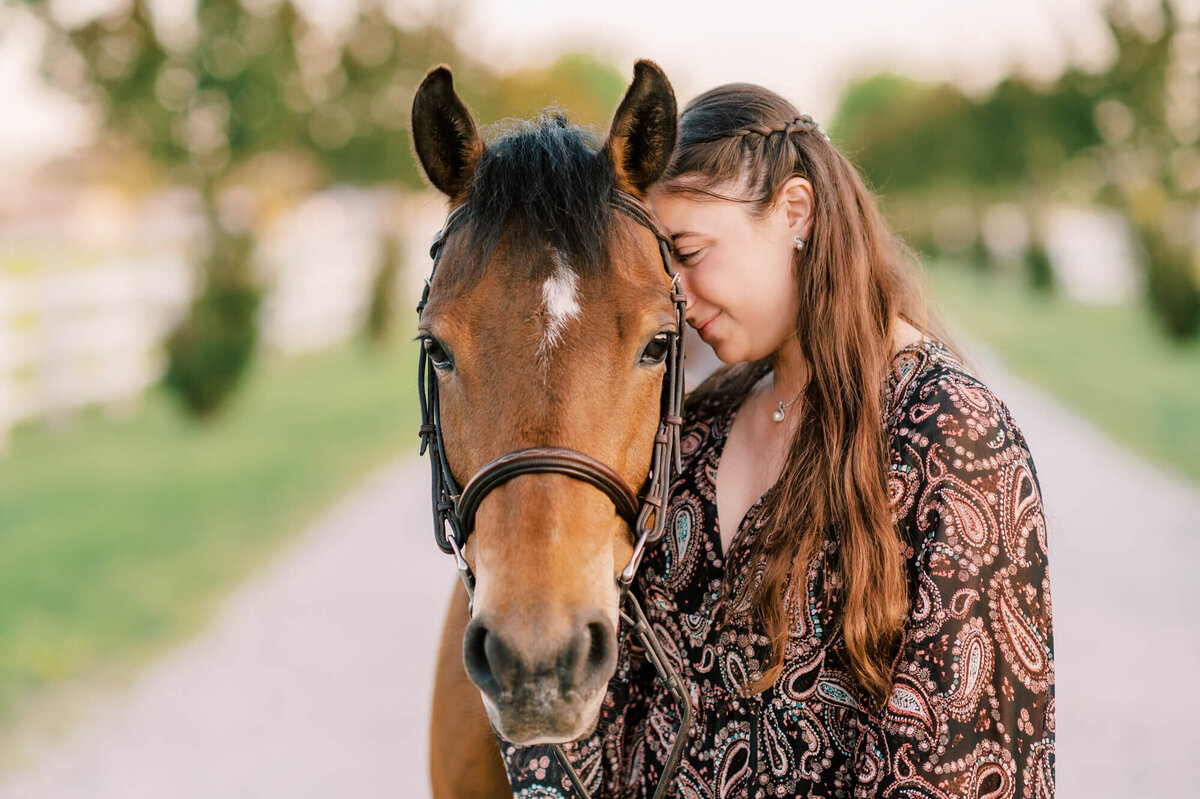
(209, 352)
(381, 314)
(1038, 269)
(1171, 285)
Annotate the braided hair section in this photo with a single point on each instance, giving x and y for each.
(803, 123)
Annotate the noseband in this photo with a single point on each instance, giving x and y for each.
(454, 510)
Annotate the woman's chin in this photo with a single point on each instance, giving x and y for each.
(728, 353)
(731, 352)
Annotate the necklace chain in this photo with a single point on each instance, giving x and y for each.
(781, 412)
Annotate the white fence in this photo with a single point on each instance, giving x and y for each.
(82, 334)
(72, 336)
(320, 262)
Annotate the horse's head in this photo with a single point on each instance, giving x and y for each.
(544, 325)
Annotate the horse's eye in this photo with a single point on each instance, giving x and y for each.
(437, 354)
(656, 351)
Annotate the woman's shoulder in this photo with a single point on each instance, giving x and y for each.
(922, 368)
(930, 390)
(950, 435)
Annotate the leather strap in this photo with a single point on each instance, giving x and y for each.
(545, 460)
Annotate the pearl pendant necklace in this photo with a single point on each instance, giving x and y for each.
(781, 412)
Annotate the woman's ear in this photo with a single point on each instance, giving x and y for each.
(796, 202)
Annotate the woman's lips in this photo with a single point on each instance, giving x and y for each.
(703, 327)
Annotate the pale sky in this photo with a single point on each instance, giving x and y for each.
(805, 51)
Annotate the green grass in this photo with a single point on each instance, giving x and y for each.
(118, 537)
(1112, 364)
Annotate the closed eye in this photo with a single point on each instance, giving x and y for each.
(686, 257)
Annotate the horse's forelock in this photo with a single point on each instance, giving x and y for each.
(541, 185)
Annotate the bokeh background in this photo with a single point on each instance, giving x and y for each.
(216, 577)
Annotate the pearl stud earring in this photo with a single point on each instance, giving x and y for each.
(799, 242)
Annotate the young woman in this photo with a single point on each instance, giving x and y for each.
(853, 582)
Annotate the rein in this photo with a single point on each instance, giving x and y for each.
(454, 509)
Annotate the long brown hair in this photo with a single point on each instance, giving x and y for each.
(853, 275)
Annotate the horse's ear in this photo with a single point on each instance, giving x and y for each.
(643, 131)
(444, 135)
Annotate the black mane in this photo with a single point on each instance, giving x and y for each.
(542, 183)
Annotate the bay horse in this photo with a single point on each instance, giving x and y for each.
(545, 325)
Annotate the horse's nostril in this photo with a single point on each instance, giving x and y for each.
(478, 646)
(590, 659)
(505, 673)
(601, 646)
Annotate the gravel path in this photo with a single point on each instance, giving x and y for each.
(314, 680)
(1124, 553)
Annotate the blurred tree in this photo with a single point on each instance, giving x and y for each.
(203, 95)
(1171, 284)
(1038, 271)
(207, 94)
(210, 350)
(907, 137)
(979, 256)
(1147, 108)
(583, 85)
(361, 135)
(914, 138)
(381, 312)
(1135, 124)
(357, 122)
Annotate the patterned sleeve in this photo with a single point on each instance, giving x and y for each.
(535, 773)
(972, 707)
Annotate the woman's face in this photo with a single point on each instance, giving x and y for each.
(736, 271)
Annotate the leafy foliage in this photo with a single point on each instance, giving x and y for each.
(207, 95)
(930, 146)
(909, 137)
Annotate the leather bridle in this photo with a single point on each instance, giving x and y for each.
(454, 510)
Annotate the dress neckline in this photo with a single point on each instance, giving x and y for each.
(721, 429)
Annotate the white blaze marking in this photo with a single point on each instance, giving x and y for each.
(559, 295)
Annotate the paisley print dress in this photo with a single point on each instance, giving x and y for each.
(971, 712)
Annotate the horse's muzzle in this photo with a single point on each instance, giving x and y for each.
(538, 690)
